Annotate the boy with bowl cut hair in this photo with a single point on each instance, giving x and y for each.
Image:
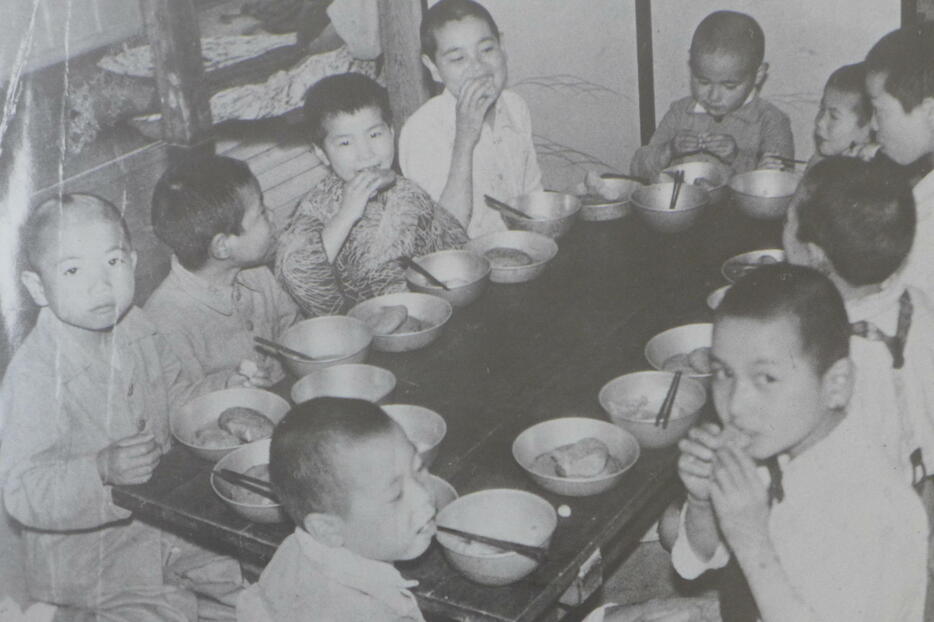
(86, 399)
(474, 138)
(219, 293)
(724, 119)
(782, 381)
(354, 486)
(843, 125)
(900, 82)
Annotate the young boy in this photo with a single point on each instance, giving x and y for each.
(86, 399)
(475, 138)
(835, 534)
(347, 236)
(219, 293)
(724, 119)
(900, 82)
(843, 123)
(353, 484)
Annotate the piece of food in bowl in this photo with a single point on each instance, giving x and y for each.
(588, 457)
(638, 409)
(213, 437)
(595, 184)
(411, 325)
(503, 257)
(242, 495)
(247, 424)
(388, 319)
(697, 361)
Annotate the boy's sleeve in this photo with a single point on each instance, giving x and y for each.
(45, 485)
(649, 160)
(686, 562)
(776, 134)
(304, 271)
(184, 375)
(287, 310)
(425, 155)
(532, 174)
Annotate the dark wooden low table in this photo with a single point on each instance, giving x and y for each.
(520, 354)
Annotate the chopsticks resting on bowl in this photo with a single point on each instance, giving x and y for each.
(411, 263)
(504, 207)
(679, 181)
(535, 552)
(260, 487)
(664, 413)
(281, 349)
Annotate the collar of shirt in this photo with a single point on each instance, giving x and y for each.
(217, 299)
(379, 579)
(801, 472)
(746, 112)
(874, 305)
(924, 196)
(503, 119)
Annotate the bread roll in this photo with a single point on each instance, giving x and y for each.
(215, 438)
(246, 424)
(503, 257)
(388, 319)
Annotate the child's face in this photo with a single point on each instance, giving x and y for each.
(390, 513)
(766, 387)
(722, 82)
(467, 49)
(905, 136)
(357, 141)
(837, 127)
(85, 276)
(255, 241)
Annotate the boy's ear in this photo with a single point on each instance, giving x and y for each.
(761, 74)
(817, 258)
(33, 285)
(928, 107)
(432, 68)
(321, 155)
(220, 248)
(326, 528)
(133, 258)
(837, 385)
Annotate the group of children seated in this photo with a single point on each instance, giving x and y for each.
(823, 367)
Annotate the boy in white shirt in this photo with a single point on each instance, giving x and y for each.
(475, 138)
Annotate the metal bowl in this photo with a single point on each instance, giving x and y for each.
(738, 265)
(365, 382)
(717, 177)
(619, 395)
(204, 411)
(548, 435)
(447, 265)
(678, 340)
(595, 207)
(651, 203)
(240, 460)
(331, 339)
(764, 193)
(424, 427)
(715, 297)
(504, 513)
(539, 247)
(431, 310)
(550, 213)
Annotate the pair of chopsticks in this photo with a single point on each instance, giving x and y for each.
(259, 486)
(534, 552)
(679, 181)
(641, 180)
(414, 265)
(664, 413)
(504, 207)
(281, 349)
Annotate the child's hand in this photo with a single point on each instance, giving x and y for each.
(473, 102)
(249, 374)
(695, 466)
(772, 162)
(740, 500)
(685, 143)
(863, 151)
(363, 187)
(722, 146)
(130, 460)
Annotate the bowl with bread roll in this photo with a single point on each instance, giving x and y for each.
(403, 321)
(632, 402)
(682, 348)
(711, 176)
(326, 340)
(214, 424)
(515, 256)
(251, 460)
(575, 456)
(357, 380)
(423, 426)
(465, 274)
(606, 197)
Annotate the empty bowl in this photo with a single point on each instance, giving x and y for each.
(431, 311)
(764, 193)
(247, 504)
(539, 248)
(203, 412)
(737, 266)
(715, 297)
(548, 435)
(652, 205)
(329, 339)
(632, 402)
(550, 213)
(424, 427)
(502, 513)
(465, 273)
(664, 350)
(711, 176)
(365, 382)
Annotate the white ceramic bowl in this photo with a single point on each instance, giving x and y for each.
(356, 380)
(735, 267)
(240, 460)
(651, 204)
(448, 265)
(598, 208)
(679, 340)
(424, 427)
(540, 248)
(548, 435)
(710, 176)
(764, 193)
(431, 310)
(331, 339)
(550, 213)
